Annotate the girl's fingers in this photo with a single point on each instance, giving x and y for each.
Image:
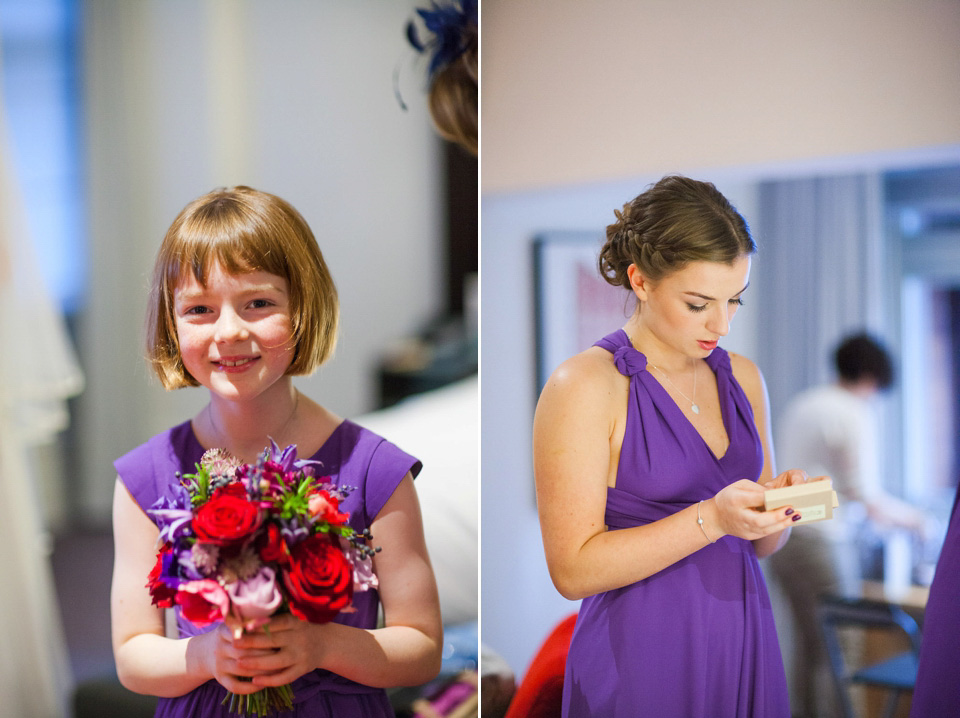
(236, 684)
(280, 678)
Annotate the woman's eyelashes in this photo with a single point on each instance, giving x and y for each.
(737, 302)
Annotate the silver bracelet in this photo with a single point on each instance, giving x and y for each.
(700, 522)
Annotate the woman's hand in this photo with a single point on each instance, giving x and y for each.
(737, 510)
(791, 477)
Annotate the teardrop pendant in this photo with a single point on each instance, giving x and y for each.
(695, 409)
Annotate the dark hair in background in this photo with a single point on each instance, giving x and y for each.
(860, 356)
(674, 222)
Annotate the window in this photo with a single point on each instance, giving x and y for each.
(41, 107)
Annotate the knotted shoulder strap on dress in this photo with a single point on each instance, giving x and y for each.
(627, 506)
(626, 358)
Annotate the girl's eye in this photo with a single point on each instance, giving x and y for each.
(197, 310)
(696, 307)
(260, 303)
(737, 301)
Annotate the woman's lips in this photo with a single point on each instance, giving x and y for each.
(708, 345)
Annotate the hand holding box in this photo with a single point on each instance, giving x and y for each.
(813, 500)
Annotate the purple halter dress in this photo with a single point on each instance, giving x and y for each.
(697, 638)
(352, 456)
(937, 692)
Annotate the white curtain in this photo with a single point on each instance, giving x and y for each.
(820, 273)
(38, 372)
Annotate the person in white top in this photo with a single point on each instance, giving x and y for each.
(831, 431)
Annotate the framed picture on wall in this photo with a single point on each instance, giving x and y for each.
(575, 306)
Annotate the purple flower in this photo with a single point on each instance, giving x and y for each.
(170, 569)
(293, 531)
(189, 567)
(287, 459)
(173, 515)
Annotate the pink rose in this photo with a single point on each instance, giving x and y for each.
(257, 597)
(203, 602)
(364, 577)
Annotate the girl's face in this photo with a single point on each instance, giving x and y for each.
(689, 310)
(235, 335)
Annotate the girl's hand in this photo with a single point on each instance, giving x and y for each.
(280, 652)
(218, 652)
(738, 511)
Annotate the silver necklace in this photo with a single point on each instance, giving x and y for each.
(693, 402)
(221, 436)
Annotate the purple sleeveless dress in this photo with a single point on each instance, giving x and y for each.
(352, 456)
(697, 638)
(937, 692)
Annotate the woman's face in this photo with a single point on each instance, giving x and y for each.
(689, 310)
(235, 334)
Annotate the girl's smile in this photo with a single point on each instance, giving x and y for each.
(235, 333)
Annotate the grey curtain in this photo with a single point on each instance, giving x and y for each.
(820, 274)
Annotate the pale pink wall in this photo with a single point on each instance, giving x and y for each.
(577, 91)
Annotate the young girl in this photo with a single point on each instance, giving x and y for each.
(651, 453)
(242, 301)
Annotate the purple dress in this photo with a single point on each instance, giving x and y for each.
(352, 456)
(937, 692)
(697, 638)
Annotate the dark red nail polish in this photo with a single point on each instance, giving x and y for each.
(796, 518)
(788, 512)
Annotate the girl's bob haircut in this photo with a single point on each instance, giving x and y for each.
(243, 230)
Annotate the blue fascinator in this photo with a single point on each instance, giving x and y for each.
(453, 28)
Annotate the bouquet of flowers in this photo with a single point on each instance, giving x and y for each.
(240, 543)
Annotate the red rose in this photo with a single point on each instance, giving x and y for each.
(160, 592)
(234, 488)
(227, 517)
(274, 549)
(319, 579)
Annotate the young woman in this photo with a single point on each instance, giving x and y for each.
(242, 301)
(652, 453)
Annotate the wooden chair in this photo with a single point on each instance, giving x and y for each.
(897, 674)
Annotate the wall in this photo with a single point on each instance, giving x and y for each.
(576, 92)
(296, 98)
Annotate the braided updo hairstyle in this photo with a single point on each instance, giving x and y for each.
(674, 222)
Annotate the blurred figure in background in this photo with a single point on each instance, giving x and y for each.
(831, 430)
